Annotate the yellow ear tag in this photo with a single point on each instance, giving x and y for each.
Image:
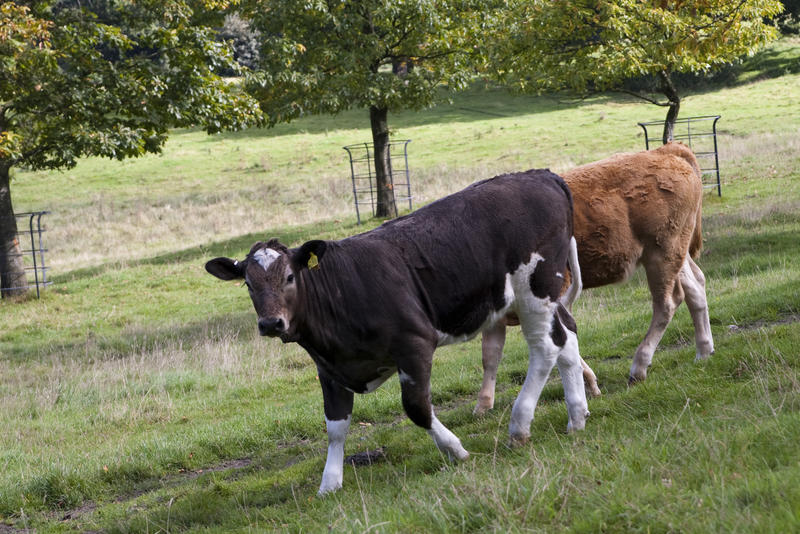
(313, 262)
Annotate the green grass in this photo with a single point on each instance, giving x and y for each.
(137, 397)
(206, 189)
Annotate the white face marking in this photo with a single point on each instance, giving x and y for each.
(265, 257)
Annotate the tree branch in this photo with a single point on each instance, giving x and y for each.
(400, 40)
(641, 96)
(725, 16)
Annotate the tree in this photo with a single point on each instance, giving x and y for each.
(596, 45)
(104, 78)
(789, 21)
(326, 56)
(243, 40)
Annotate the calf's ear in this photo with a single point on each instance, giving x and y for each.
(309, 255)
(225, 268)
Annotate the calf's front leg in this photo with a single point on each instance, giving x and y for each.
(338, 407)
(415, 387)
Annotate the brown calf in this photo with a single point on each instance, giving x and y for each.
(633, 209)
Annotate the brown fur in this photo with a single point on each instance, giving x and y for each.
(631, 206)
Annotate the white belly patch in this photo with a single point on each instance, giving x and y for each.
(385, 374)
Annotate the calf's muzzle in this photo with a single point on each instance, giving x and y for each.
(271, 326)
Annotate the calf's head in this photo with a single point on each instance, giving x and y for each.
(270, 272)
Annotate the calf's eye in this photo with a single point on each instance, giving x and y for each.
(290, 279)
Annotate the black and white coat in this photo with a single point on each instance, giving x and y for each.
(381, 302)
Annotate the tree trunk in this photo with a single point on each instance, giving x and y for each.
(668, 88)
(13, 282)
(386, 206)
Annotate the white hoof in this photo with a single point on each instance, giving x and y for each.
(579, 423)
(326, 488)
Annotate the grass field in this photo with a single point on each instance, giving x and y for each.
(137, 397)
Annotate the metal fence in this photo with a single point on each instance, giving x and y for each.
(362, 171)
(701, 137)
(30, 234)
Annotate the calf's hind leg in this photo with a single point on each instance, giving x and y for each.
(667, 294)
(492, 353)
(538, 321)
(693, 283)
(571, 368)
(589, 378)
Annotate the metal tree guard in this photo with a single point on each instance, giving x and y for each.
(363, 176)
(704, 152)
(37, 265)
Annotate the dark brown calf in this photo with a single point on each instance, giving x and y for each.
(380, 303)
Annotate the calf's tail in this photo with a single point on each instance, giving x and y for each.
(576, 283)
(684, 152)
(696, 242)
(697, 236)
